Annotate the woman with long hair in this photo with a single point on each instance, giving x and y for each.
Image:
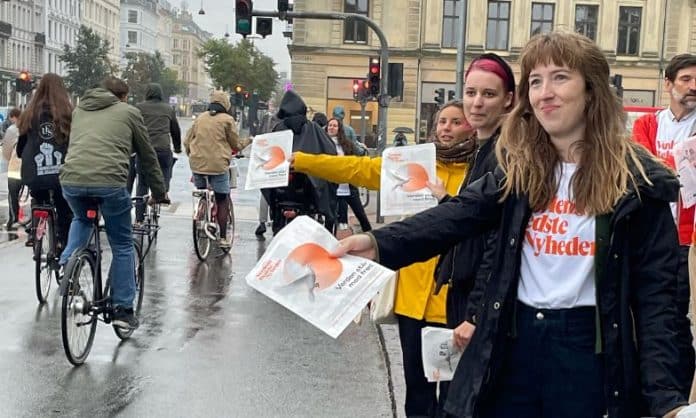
(347, 194)
(44, 131)
(416, 305)
(577, 317)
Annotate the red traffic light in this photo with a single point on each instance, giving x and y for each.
(246, 94)
(374, 66)
(24, 76)
(356, 86)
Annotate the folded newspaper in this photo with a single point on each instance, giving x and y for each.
(268, 160)
(297, 271)
(404, 176)
(685, 161)
(440, 356)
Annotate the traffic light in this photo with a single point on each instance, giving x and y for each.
(242, 19)
(373, 76)
(440, 96)
(264, 26)
(283, 5)
(356, 89)
(450, 95)
(24, 83)
(238, 88)
(238, 97)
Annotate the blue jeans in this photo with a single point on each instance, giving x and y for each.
(115, 208)
(219, 182)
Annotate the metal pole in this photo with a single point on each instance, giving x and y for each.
(363, 120)
(383, 99)
(461, 50)
(660, 75)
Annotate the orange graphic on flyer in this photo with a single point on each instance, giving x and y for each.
(326, 269)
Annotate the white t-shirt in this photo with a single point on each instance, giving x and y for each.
(671, 131)
(557, 269)
(343, 188)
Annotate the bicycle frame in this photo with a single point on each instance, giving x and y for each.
(211, 207)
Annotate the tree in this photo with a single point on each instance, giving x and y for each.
(143, 68)
(241, 63)
(88, 62)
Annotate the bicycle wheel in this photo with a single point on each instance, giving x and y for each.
(123, 333)
(201, 241)
(77, 325)
(154, 224)
(230, 228)
(42, 250)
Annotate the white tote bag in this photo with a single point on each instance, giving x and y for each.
(382, 305)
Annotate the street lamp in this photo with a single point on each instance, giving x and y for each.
(227, 32)
(201, 11)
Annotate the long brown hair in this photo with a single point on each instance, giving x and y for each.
(344, 142)
(51, 93)
(524, 149)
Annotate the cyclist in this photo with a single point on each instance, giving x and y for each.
(210, 143)
(44, 130)
(160, 120)
(105, 131)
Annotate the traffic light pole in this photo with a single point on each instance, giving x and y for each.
(383, 99)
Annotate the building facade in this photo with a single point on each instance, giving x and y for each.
(637, 36)
(22, 43)
(164, 31)
(103, 17)
(61, 27)
(139, 24)
(187, 39)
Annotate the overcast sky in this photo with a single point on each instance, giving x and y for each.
(219, 16)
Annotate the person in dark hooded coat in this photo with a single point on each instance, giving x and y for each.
(310, 138)
(163, 130)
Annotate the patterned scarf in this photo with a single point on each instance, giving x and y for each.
(458, 152)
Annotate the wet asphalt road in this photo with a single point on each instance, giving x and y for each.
(208, 345)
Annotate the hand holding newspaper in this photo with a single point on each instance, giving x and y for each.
(440, 356)
(685, 161)
(298, 272)
(268, 165)
(404, 177)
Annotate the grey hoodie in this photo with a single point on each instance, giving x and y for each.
(103, 135)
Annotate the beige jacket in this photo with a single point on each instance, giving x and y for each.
(212, 139)
(9, 153)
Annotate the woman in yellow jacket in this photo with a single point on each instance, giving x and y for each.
(415, 306)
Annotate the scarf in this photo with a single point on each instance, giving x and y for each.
(458, 152)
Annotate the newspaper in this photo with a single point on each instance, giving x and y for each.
(405, 172)
(685, 161)
(268, 160)
(297, 272)
(440, 356)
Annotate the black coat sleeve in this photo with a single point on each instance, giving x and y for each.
(654, 254)
(176, 132)
(483, 274)
(431, 232)
(21, 143)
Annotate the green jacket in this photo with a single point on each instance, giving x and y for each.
(103, 135)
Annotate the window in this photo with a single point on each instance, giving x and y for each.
(498, 25)
(629, 30)
(176, 59)
(132, 16)
(450, 22)
(586, 20)
(175, 44)
(542, 18)
(132, 37)
(355, 32)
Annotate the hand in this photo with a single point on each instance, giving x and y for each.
(437, 189)
(291, 160)
(360, 245)
(463, 334)
(164, 201)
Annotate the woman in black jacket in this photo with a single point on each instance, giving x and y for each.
(44, 130)
(577, 318)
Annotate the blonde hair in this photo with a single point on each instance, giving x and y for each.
(524, 149)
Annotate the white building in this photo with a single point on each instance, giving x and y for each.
(22, 42)
(139, 24)
(62, 24)
(164, 31)
(104, 18)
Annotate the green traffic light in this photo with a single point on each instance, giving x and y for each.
(243, 26)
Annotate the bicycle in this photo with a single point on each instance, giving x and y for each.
(150, 225)
(364, 194)
(46, 252)
(205, 225)
(85, 301)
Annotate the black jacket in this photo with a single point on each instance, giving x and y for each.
(160, 120)
(42, 153)
(635, 281)
(310, 138)
(461, 265)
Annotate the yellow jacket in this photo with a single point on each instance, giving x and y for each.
(414, 291)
